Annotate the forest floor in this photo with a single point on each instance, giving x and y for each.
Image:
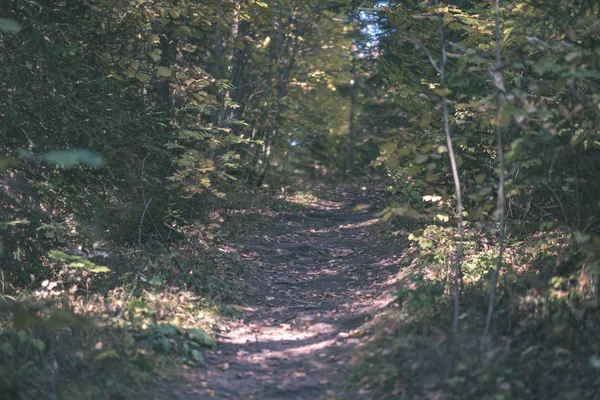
(320, 277)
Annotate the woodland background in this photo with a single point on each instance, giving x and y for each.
(131, 131)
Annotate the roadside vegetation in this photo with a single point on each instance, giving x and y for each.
(140, 141)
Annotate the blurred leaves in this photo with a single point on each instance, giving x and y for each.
(65, 158)
(9, 26)
(166, 337)
(77, 262)
(7, 162)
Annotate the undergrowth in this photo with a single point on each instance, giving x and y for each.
(125, 323)
(544, 341)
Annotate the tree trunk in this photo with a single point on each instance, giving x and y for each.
(351, 116)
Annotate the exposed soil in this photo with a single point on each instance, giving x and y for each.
(321, 276)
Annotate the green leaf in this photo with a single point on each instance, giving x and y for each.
(582, 74)
(142, 77)
(9, 26)
(421, 158)
(545, 64)
(425, 120)
(182, 32)
(38, 344)
(414, 170)
(155, 55)
(393, 162)
(99, 269)
(7, 162)
(163, 71)
(430, 176)
(76, 265)
(201, 337)
(459, 161)
(7, 349)
(62, 318)
(72, 261)
(197, 355)
(156, 280)
(163, 345)
(23, 337)
(107, 356)
(388, 147)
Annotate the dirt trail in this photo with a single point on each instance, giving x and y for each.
(322, 275)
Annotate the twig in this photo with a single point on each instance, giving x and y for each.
(420, 45)
(165, 244)
(142, 221)
(562, 209)
(288, 319)
(291, 283)
(310, 308)
(146, 203)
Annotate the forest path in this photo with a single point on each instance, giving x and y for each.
(321, 274)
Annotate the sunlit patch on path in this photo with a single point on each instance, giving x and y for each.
(322, 275)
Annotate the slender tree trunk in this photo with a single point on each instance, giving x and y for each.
(259, 133)
(283, 77)
(219, 53)
(164, 88)
(238, 62)
(455, 175)
(351, 116)
(498, 76)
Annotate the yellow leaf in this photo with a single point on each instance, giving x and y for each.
(386, 215)
(432, 198)
(439, 91)
(360, 207)
(443, 217)
(455, 25)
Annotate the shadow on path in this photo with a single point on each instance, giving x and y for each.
(322, 276)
